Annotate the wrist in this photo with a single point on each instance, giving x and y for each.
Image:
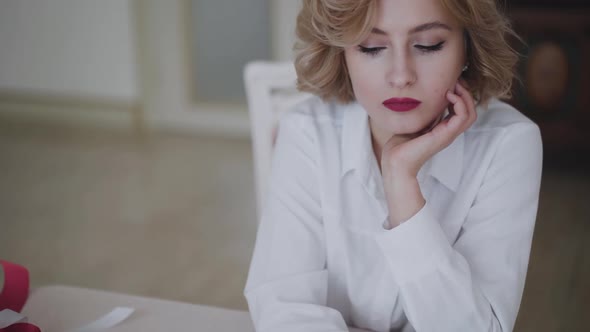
(404, 200)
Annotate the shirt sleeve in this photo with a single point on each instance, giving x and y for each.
(287, 283)
(475, 284)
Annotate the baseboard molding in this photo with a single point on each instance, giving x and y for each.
(233, 123)
(60, 115)
(224, 123)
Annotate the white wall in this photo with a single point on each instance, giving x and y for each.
(89, 48)
(283, 28)
(80, 48)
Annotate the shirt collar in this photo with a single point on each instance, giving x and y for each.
(357, 152)
(356, 140)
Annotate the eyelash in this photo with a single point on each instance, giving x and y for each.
(429, 49)
(372, 51)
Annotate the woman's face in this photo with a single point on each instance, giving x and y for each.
(415, 50)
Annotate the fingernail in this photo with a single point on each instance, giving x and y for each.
(459, 89)
(451, 96)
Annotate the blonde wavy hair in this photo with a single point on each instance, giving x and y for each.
(325, 27)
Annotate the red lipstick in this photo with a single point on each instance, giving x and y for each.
(401, 104)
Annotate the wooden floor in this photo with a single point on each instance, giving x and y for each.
(173, 217)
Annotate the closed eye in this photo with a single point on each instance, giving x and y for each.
(371, 50)
(430, 48)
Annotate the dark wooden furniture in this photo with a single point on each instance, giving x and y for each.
(555, 72)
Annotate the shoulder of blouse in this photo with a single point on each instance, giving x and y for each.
(499, 115)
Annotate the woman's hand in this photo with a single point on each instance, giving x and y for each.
(400, 162)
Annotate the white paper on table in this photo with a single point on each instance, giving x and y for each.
(9, 317)
(116, 316)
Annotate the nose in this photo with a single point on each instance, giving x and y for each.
(401, 72)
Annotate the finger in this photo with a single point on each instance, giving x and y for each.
(461, 115)
(465, 105)
(462, 92)
(433, 124)
(446, 130)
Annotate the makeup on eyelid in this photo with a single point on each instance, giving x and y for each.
(424, 48)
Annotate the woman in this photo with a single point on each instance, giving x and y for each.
(404, 197)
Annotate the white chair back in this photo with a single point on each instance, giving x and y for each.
(270, 90)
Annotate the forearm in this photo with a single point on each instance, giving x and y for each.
(449, 298)
(438, 285)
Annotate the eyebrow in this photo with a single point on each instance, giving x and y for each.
(420, 28)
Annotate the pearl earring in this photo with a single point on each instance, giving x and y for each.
(465, 67)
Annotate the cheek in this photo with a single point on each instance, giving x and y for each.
(442, 71)
(443, 80)
(437, 87)
(362, 82)
(353, 71)
(364, 73)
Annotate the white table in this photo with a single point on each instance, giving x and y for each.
(59, 308)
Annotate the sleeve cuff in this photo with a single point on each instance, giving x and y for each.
(415, 247)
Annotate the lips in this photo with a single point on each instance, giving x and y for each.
(401, 104)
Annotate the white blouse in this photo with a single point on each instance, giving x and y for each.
(323, 260)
